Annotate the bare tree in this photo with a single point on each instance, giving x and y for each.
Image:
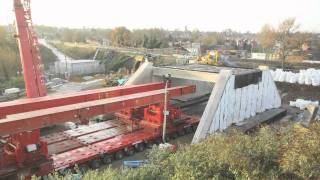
(285, 38)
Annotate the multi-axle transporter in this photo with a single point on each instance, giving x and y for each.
(140, 111)
(138, 124)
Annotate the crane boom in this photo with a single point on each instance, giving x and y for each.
(31, 61)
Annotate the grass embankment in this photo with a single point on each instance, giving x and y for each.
(112, 60)
(76, 51)
(285, 153)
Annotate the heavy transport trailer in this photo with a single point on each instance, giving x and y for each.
(139, 112)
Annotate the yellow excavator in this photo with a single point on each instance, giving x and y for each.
(139, 59)
(212, 58)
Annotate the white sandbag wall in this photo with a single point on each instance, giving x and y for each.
(237, 104)
(308, 77)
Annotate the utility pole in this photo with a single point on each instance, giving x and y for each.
(165, 110)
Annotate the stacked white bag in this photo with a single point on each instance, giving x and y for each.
(302, 104)
(308, 77)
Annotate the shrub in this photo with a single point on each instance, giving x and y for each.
(291, 152)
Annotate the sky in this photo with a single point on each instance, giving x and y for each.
(204, 15)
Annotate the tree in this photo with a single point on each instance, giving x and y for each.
(267, 37)
(195, 35)
(138, 38)
(9, 61)
(285, 38)
(2, 33)
(121, 36)
(67, 35)
(150, 38)
(209, 40)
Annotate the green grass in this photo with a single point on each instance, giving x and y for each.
(76, 52)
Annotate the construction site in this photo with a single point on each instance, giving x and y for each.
(83, 116)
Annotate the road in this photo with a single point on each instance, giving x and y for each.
(55, 51)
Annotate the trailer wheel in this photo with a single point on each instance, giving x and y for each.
(129, 151)
(167, 138)
(149, 144)
(106, 159)
(174, 135)
(194, 128)
(181, 132)
(44, 178)
(158, 141)
(188, 130)
(65, 171)
(83, 168)
(119, 155)
(95, 164)
(140, 147)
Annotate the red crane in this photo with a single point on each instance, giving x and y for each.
(33, 68)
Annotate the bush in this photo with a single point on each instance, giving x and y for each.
(291, 152)
(14, 82)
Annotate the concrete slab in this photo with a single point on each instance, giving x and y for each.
(142, 75)
(212, 106)
(309, 115)
(185, 74)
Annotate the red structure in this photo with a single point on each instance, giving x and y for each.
(29, 50)
(138, 109)
(89, 145)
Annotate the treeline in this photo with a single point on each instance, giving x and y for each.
(285, 37)
(146, 38)
(72, 35)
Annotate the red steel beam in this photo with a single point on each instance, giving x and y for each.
(26, 105)
(46, 117)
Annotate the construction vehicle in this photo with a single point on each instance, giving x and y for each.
(212, 58)
(139, 59)
(139, 111)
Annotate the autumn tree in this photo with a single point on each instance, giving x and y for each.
(285, 38)
(120, 36)
(267, 38)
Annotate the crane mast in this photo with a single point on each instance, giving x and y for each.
(33, 68)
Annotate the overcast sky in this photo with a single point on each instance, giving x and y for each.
(206, 15)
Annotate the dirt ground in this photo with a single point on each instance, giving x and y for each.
(291, 92)
(294, 66)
